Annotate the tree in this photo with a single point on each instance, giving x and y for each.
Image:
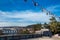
(25, 32)
(53, 24)
(58, 27)
(46, 25)
(37, 27)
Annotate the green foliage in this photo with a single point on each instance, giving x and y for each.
(37, 27)
(53, 25)
(46, 25)
(58, 27)
(25, 32)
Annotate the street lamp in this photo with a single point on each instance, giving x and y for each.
(35, 3)
(25, 0)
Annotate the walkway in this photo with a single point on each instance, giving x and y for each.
(43, 38)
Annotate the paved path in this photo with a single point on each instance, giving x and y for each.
(44, 38)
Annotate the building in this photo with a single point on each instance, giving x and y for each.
(9, 31)
(38, 32)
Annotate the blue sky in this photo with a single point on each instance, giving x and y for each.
(20, 13)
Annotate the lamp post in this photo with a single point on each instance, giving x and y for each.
(34, 3)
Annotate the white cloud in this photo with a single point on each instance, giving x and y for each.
(55, 8)
(3, 24)
(28, 17)
(24, 17)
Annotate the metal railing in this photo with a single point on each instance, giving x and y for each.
(19, 36)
